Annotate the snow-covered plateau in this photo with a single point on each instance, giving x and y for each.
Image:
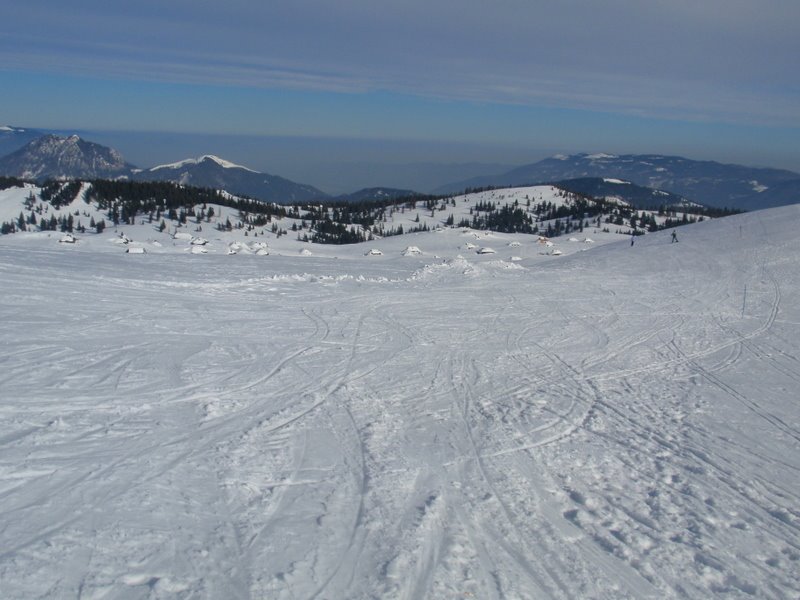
(619, 421)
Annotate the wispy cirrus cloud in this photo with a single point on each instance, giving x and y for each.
(729, 60)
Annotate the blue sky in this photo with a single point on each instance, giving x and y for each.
(519, 78)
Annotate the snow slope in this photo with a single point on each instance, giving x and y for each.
(616, 423)
(177, 238)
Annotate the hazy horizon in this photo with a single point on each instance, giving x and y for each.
(338, 165)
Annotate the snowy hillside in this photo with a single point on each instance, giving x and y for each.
(615, 423)
(208, 229)
(140, 213)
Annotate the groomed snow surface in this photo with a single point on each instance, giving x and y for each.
(616, 423)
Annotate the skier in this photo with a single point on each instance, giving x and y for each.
(674, 237)
(633, 237)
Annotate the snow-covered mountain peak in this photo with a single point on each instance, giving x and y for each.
(226, 164)
(214, 172)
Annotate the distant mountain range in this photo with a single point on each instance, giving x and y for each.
(59, 157)
(649, 180)
(707, 182)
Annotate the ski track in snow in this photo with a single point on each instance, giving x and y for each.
(622, 424)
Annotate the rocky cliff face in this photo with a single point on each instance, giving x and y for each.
(57, 157)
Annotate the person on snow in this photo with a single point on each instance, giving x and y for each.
(674, 237)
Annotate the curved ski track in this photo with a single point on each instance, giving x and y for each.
(506, 434)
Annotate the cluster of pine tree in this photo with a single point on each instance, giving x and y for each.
(330, 232)
(508, 219)
(533, 218)
(341, 222)
(9, 182)
(59, 194)
(64, 223)
(7, 227)
(125, 200)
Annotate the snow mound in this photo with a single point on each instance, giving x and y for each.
(503, 265)
(412, 251)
